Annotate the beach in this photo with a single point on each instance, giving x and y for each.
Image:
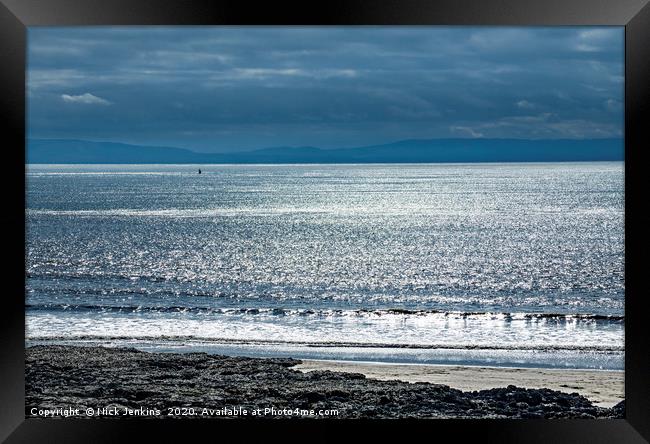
(498, 288)
(603, 387)
(129, 382)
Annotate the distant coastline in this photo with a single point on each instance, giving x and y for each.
(68, 151)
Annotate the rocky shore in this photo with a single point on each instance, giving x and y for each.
(201, 385)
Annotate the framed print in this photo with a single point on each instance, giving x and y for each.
(321, 220)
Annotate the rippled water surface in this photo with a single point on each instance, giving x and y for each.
(426, 263)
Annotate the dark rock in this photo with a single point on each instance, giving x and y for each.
(338, 394)
(312, 397)
(619, 409)
(95, 376)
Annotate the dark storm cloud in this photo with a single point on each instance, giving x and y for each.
(240, 88)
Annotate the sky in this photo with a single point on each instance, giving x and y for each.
(224, 89)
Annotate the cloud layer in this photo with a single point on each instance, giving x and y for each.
(229, 88)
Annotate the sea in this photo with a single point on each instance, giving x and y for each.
(517, 265)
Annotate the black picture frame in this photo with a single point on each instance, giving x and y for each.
(17, 15)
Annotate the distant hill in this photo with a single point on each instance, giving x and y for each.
(81, 151)
(406, 151)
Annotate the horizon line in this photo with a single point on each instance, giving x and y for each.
(235, 151)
